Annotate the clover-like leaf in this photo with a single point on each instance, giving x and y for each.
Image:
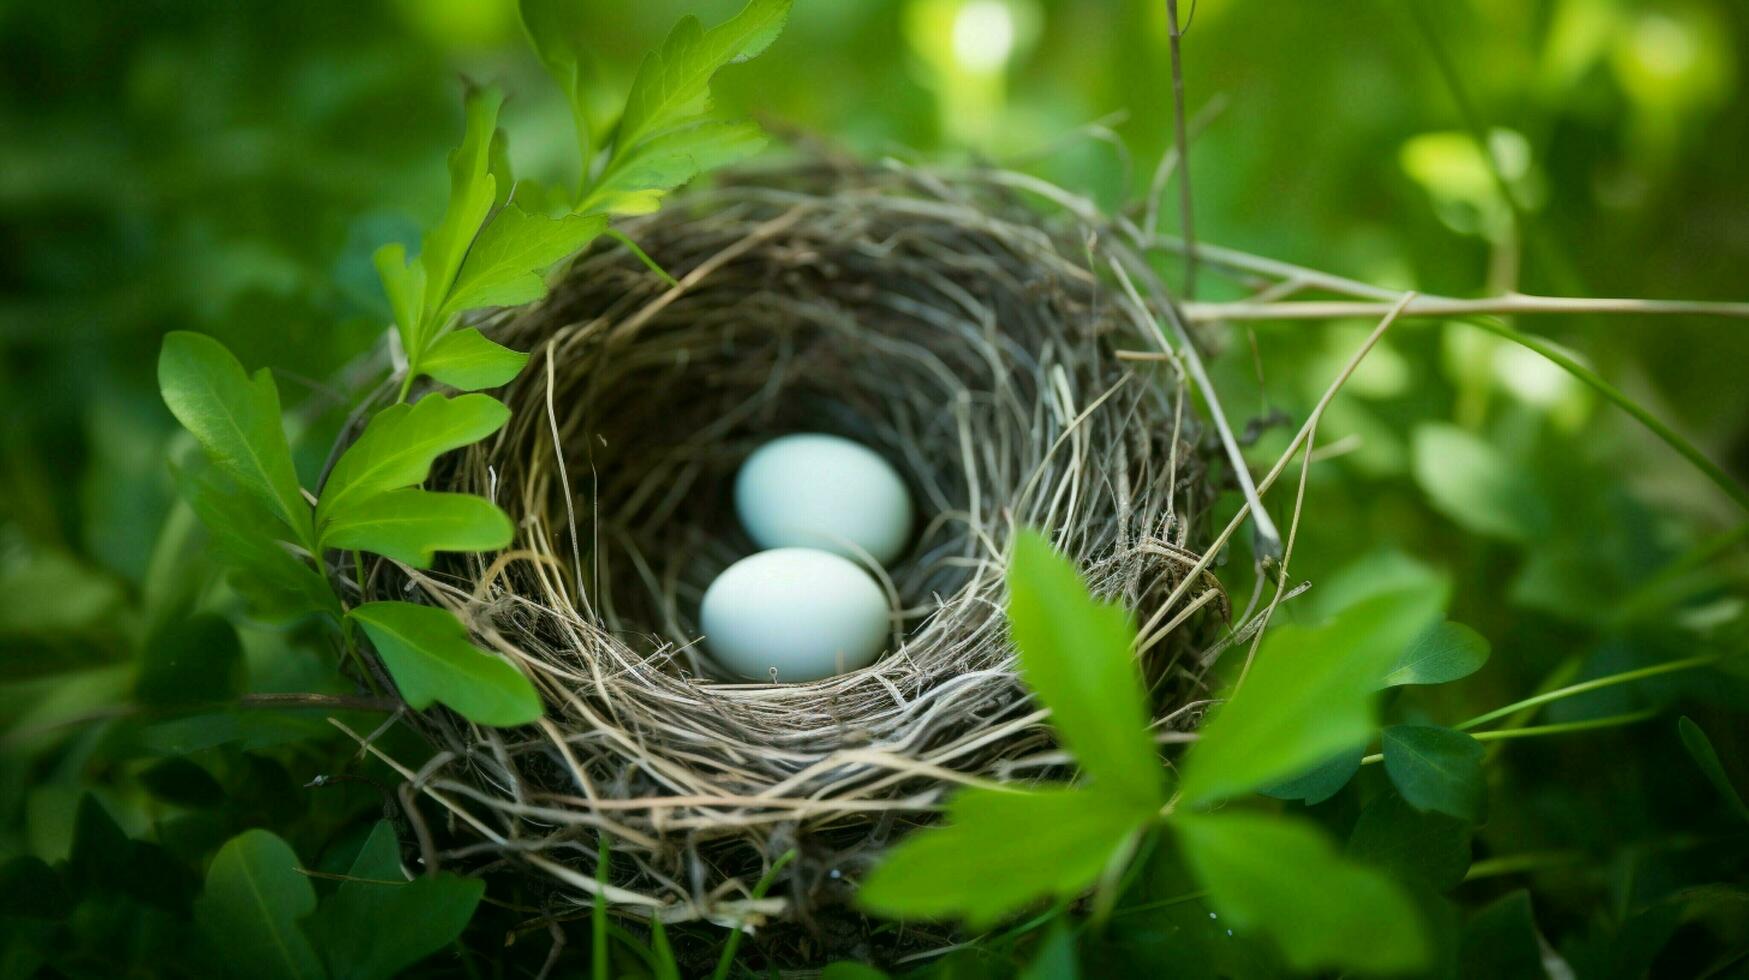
(1436, 769)
(1446, 651)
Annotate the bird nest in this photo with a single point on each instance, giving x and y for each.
(985, 348)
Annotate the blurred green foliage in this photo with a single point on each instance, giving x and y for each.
(229, 169)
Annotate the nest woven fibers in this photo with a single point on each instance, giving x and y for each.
(959, 331)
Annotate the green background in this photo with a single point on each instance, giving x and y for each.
(229, 167)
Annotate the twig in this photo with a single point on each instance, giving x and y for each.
(1516, 303)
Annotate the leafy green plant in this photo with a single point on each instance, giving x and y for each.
(1309, 693)
(494, 246)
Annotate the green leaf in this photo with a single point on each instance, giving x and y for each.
(236, 419)
(673, 82)
(1000, 851)
(1320, 782)
(254, 897)
(428, 654)
(1436, 769)
(1055, 957)
(465, 359)
(557, 29)
(1443, 652)
(1282, 878)
(1473, 483)
(635, 182)
(378, 923)
(851, 970)
(1700, 748)
(197, 660)
(1411, 845)
(1501, 941)
(409, 525)
(404, 284)
(1075, 653)
(1309, 695)
(401, 442)
(275, 582)
(471, 189)
(507, 263)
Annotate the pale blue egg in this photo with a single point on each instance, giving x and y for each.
(819, 491)
(806, 613)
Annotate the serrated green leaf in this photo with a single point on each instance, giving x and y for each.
(673, 82)
(467, 360)
(635, 182)
(511, 254)
(404, 284)
(409, 525)
(236, 419)
(254, 897)
(557, 30)
(1443, 652)
(1411, 845)
(1309, 695)
(1000, 851)
(378, 923)
(1470, 481)
(1281, 878)
(1075, 653)
(1700, 749)
(471, 191)
(1436, 769)
(401, 442)
(431, 659)
(197, 660)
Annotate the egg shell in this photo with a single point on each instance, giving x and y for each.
(819, 491)
(808, 613)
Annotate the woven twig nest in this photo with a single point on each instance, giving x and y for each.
(944, 323)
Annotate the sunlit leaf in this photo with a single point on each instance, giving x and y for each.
(401, 442)
(1444, 652)
(465, 359)
(1000, 851)
(1281, 878)
(378, 922)
(673, 82)
(236, 419)
(636, 182)
(1075, 654)
(471, 189)
(1436, 769)
(507, 261)
(1309, 696)
(409, 525)
(431, 659)
(254, 897)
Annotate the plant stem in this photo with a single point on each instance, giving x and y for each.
(1443, 306)
(728, 958)
(1592, 685)
(1562, 728)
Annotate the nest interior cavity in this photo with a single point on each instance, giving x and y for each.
(982, 349)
